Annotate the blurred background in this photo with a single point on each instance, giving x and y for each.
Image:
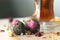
(22, 8)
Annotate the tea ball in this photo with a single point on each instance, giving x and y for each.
(33, 25)
(18, 27)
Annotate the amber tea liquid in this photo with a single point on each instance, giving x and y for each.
(43, 10)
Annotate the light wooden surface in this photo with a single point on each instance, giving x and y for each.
(5, 36)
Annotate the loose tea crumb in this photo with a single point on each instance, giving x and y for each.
(2, 30)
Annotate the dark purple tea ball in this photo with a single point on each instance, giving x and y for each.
(19, 27)
(33, 25)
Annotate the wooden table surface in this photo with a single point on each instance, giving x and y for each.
(5, 36)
